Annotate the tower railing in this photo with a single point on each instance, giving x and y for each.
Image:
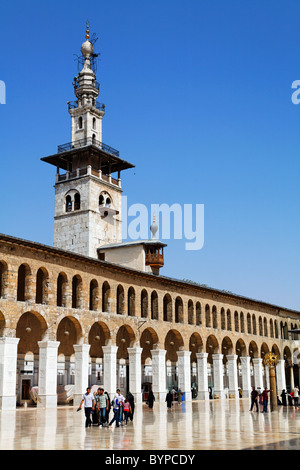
(74, 105)
(85, 142)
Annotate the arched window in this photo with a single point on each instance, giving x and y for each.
(190, 312)
(120, 300)
(131, 302)
(207, 316)
(228, 320)
(77, 202)
(105, 297)
(167, 307)
(215, 317)
(236, 321)
(94, 123)
(80, 122)
(93, 301)
(144, 304)
(198, 314)
(23, 289)
(61, 293)
(178, 310)
(3, 278)
(223, 319)
(249, 323)
(41, 286)
(76, 291)
(154, 305)
(68, 203)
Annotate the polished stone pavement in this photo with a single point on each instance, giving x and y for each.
(200, 425)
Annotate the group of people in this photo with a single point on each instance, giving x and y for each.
(99, 406)
(262, 398)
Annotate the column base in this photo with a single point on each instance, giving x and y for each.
(8, 403)
(219, 394)
(47, 401)
(160, 397)
(138, 397)
(233, 394)
(246, 393)
(203, 395)
(187, 396)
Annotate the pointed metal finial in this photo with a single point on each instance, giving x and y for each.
(87, 33)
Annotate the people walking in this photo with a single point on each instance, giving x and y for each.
(151, 399)
(179, 397)
(89, 406)
(117, 402)
(169, 399)
(265, 398)
(254, 397)
(108, 407)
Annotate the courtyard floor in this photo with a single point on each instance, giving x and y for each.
(200, 425)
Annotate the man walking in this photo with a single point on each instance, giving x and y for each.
(254, 396)
(102, 403)
(89, 406)
(265, 398)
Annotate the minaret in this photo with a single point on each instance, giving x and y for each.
(86, 113)
(88, 192)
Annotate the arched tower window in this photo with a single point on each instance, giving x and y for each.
(68, 203)
(80, 122)
(77, 202)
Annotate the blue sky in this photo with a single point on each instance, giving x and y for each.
(198, 97)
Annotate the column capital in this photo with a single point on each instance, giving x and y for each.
(257, 360)
(231, 357)
(183, 353)
(111, 348)
(202, 355)
(134, 350)
(48, 344)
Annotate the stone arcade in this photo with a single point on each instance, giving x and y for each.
(92, 310)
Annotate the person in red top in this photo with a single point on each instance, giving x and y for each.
(265, 398)
(126, 409)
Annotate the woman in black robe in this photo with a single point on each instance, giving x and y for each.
(169, 399)
(283, 397)
(151, 399)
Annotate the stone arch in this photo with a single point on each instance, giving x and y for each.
(99, 335)
(31, 328)
(264, 349)
(253, 350)
(207, 316)
(195, 346)
(173, 342)
(2, 324)
(275, 350)
(241, 348)
(214, 316)
(148, 339)
(211, 347)
(125, 339)
(226, 347)
(198, 314)
(69, 332)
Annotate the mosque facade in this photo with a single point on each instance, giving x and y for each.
(93, 310)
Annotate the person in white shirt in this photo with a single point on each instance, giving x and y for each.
(89, 406)
(296, 396)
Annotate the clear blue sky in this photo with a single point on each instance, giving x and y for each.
(198, 97)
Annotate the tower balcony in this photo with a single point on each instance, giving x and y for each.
(97, 105)
(86, 142)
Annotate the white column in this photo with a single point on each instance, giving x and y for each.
(258, 373)
(232, 376)
(218, 376)
(110, 369)
(202, 376)
(135, 373)
(81, 371)
(246, 376)
(280, 376)
(8, 372)
(184, 373)
(47, 382)
(159, 374)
